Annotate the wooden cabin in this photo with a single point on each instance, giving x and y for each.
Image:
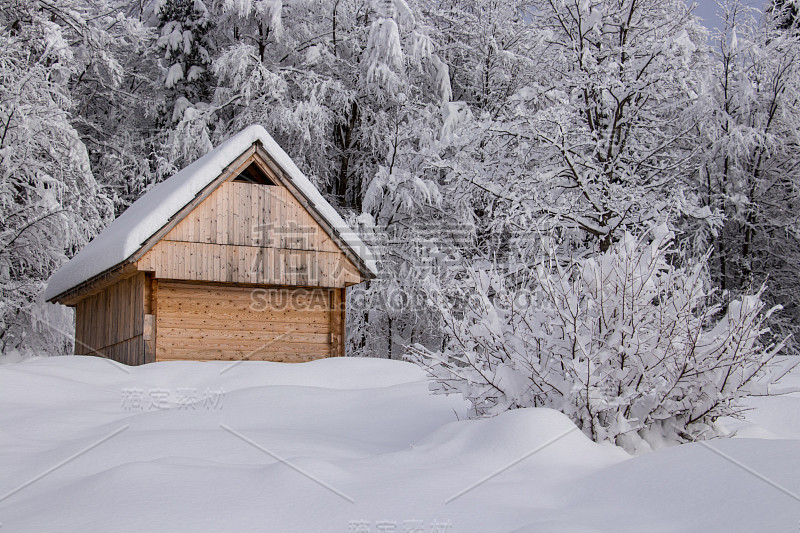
(237, 256)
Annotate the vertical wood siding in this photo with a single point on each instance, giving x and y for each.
(110, 323)
(250, 233)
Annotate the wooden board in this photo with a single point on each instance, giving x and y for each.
(251, 233)
(111, 323)
(248, 264)
(337, 317)
(203, 321)
(252, 215)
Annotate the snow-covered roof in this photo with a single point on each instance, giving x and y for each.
(126, 235)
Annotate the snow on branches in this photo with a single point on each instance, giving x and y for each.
(627, 343)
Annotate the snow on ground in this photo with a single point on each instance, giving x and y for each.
(353, 445)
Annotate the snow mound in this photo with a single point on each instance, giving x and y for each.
(347, 445)
(543, 437)
(732, 485)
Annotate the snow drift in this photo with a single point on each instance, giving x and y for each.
(346, 445)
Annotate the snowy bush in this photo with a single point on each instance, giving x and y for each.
(626, 343)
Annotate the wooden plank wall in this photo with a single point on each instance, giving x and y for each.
(149, 325)
(250, 233)
(337, 306)
(202, 321)
(110, 323)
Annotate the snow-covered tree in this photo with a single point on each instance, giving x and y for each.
(116, 93)
(185, 39)
(785, 14)
(626, 343)
(750, 172)
(49, 200)
(609, 127)
(430, 220)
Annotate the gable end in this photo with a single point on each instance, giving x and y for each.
(252, 157)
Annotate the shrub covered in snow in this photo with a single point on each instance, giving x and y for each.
(628, 343)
